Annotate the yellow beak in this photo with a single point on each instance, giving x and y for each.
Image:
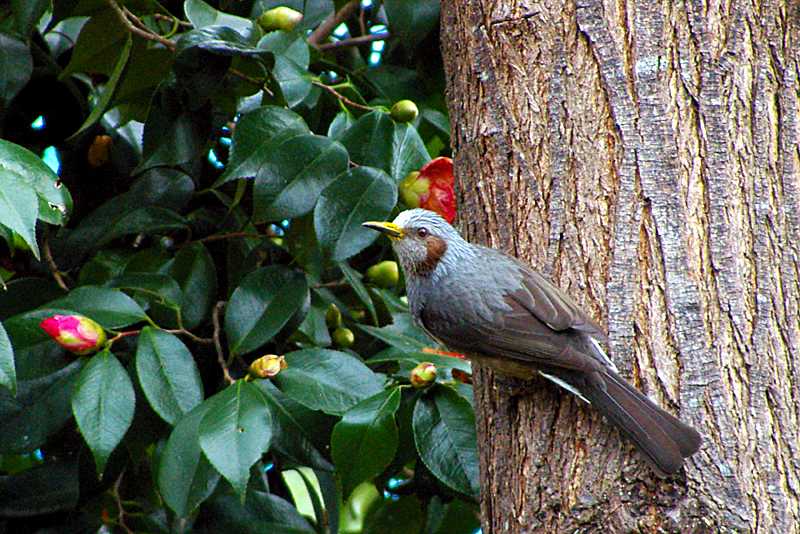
(390, 229)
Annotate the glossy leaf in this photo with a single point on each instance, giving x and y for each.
(235, 430)
(167, 373)
(8, 372)
(261, 513)
(444, 433)
(359, 195)
(16, 67)
(103, 404)
(353, 278)
(412, 20)
(365, 440)
(99, 45)
(110, 307)
(185, 476)
(293, 175)
(262, 305)
(201, 15)
(19, 209)
(195, 272)
(40, 409)
(327, 380)
(252, 136)
(291, 64)
(45, 489)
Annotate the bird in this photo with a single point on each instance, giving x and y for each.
(500, 312)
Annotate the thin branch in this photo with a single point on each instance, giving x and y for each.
(333, 20)
(255, 81)
(51, 264)
(340, 96)
(172, 19)
(120, 508)
(356, 41)
(218, 344)
(137, 27)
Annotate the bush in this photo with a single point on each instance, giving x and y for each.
(185, 193)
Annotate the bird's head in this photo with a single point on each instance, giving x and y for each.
(422, 240)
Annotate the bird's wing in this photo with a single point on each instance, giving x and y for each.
(531, 322)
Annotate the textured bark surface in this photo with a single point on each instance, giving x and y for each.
(644, 156)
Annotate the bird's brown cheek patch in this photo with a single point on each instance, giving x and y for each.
(436, 247)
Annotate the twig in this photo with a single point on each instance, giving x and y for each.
(340, 96)
(329, 285)
(255, 81)
(51, 264)
(333, 20)
(120, 507)
(232, 235)
(217, 344)
(135, 26)
(356, 41)
(168, 18)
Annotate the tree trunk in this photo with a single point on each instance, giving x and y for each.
(645, 157)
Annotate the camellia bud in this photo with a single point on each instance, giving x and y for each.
(279, 18)
(333, 317)
(76, 333)
(343, 337)
(100, 151)
(384, 274)
(423, 375)
(431, 188)
(267, 366)
(404, 111)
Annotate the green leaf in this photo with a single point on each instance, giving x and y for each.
(291, 64)
(261, 513)
(40, 409)
(444, 432)
(262, 305)
(252, 139)
(168, 375)
(16, 67)
(375, 140)
(327, 380)
(154, 287)
(353, 278)
(149, 220)
(104, 100)
(42, 490)
(359, 195)
(403, 516)
(294, 426)
(110, 307)
(99, 45)
(103, 404)
(185, 476)
(293, 175)
(201, 15)
(412, 20)
(27, 13)
(8, 372)
(235, 430)
(195, 272)
(402, 333)
(365, 440)
(19, 209)
(20, 164)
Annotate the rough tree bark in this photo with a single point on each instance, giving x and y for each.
(645, 156)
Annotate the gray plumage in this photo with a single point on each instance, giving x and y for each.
(498, 310)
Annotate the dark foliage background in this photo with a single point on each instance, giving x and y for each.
(195, 183)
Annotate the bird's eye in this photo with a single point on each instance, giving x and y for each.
(422, 232)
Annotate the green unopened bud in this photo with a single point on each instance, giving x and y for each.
(384, 274)
(343, 337)
(423, 375)
(267, 366)
(333, 317)
(279, 18)
(404, 111)
(412, 188)
(358, 314)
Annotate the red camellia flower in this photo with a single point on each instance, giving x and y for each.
(431, 188)
(76, 333)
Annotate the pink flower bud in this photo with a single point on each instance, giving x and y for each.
(423, 375)
(76, 333)
(431, 188)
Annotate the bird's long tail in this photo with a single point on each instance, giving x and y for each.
(664, 439)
